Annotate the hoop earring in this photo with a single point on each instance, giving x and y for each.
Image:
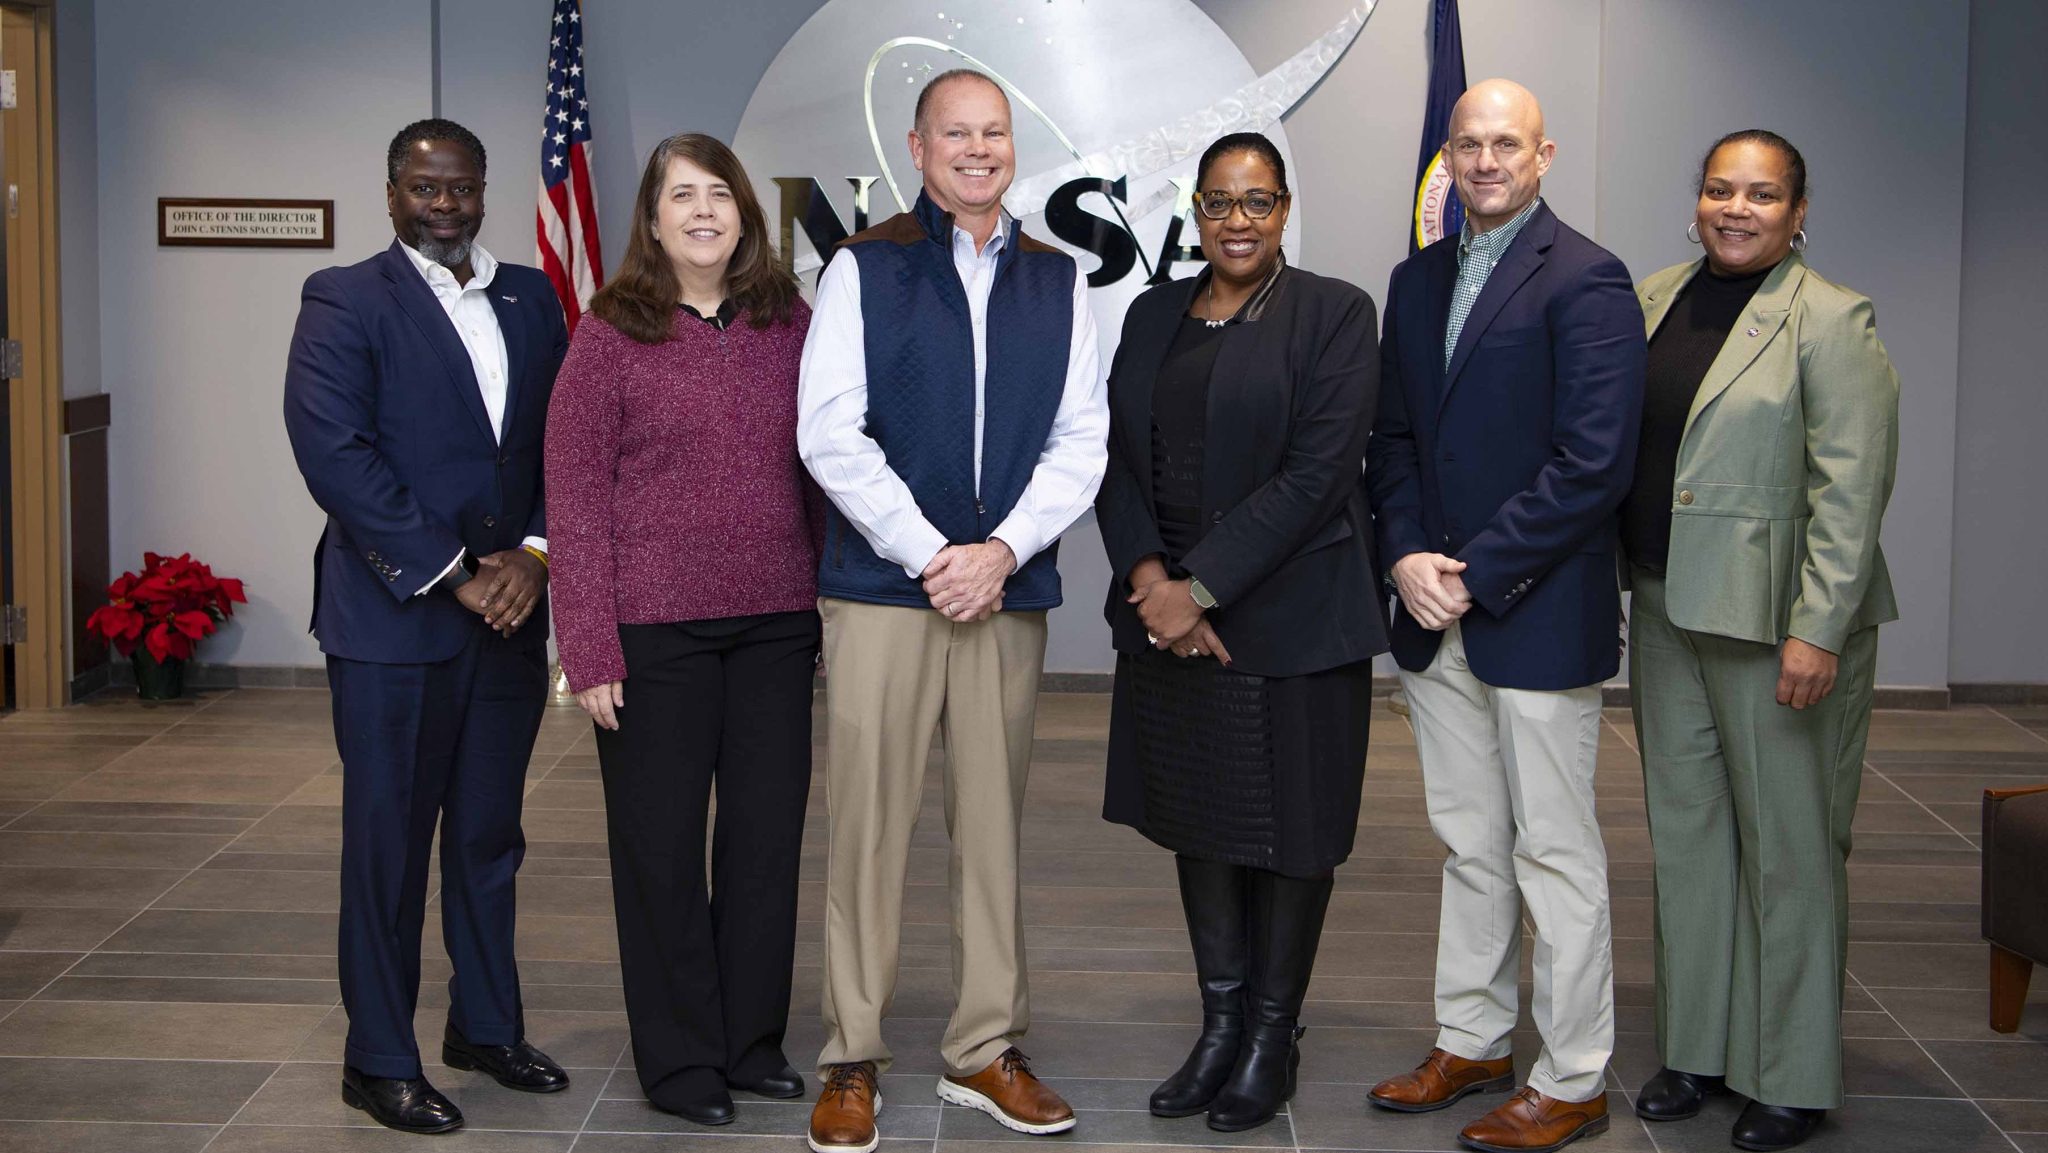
(1799, 241)
(1692, 232)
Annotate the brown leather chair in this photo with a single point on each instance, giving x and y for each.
(2015, 895)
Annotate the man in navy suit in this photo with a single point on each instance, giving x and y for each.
(415, 397)
(1512, 380)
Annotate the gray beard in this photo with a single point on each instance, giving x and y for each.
(446, 253)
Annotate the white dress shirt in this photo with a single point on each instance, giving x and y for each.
(832, 405)
(469, 309)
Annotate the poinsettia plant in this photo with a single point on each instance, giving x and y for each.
(170, 605)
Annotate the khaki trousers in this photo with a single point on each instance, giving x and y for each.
(1750, 805)
(1508, 774)
(894, 675)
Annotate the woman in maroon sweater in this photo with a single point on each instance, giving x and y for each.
(685, 582)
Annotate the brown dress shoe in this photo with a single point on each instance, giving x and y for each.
(843, 1120)
(1008, 1092)
(1441, 1079)
(1529, 1122)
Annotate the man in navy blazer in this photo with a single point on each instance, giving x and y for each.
(1511, 391)
(415, 397)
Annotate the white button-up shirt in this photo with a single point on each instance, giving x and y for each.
(832, 405)
(469, 309)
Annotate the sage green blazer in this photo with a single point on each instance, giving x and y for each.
(1785, 467)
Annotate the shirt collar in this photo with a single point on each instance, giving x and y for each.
(1492, 244)
(996, 241)
(728, 311)
(438, 277)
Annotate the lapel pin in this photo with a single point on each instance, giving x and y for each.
(515, 300)
(1754, 332)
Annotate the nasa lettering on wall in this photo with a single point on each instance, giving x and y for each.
(232, 223)
(1112, 105)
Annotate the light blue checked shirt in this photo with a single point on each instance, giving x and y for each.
(1478, 253)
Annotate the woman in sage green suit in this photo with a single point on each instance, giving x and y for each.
(1770, 436)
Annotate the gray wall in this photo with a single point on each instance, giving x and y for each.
(298, 98)
(1899, 241)
(2000, 628)
(78, 198)
(656, 68)
(225, 98)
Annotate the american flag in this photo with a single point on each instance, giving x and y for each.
(566, 221)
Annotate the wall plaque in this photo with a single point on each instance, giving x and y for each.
(216, 222)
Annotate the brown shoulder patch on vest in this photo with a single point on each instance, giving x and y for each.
(900, 229)
(1029, 243)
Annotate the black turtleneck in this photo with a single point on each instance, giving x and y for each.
(1681, 352)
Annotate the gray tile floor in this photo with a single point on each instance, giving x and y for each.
(167, 922)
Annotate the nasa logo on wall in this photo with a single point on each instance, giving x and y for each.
(1111, 103)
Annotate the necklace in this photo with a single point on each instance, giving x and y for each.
(1209, 292)
(1253, 305)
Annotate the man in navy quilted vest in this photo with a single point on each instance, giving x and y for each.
(952, 407)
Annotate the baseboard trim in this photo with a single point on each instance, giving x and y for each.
(94, 679)
(206, 676)
(1913, 697)
(1104, 682)
(1998, 693)
(121, 674)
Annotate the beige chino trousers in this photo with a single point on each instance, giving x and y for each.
(1508, 775)
(894, 675)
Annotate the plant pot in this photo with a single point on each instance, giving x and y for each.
(157, 681)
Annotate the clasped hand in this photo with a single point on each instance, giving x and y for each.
(1173, 621)
(965, 581)
(1431, 588)
(505, 589)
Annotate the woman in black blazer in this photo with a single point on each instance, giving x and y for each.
(1245, 614)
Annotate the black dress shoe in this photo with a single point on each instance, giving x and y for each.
(784, 1084)
(516, 1066)
(407, 1104)
(714, 1108)
(1673, 1096)
(1769, 1127)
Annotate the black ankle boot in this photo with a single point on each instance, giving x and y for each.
(1286, 926)
(1213, 896)
(1262, 1080)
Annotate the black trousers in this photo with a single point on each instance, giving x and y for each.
(447, 744)
(725, 704)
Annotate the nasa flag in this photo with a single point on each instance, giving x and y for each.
(1437, 211)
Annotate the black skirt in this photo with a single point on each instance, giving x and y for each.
(1241, 769)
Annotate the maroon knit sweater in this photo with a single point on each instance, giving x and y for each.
(674, 490)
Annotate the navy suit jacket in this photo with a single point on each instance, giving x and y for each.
(390, 431)
(1515, 458)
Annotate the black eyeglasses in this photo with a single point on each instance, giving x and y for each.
(1258, 203)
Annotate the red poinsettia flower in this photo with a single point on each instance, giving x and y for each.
(172, 603)
(166, 643)
(196, 625)
(119, 622)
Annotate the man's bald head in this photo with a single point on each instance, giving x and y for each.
(1497, 151)
(1498, 98)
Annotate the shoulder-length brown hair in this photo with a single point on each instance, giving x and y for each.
(640, 300)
